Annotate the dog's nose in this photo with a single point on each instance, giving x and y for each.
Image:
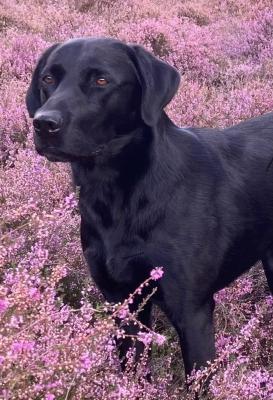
(47, 121)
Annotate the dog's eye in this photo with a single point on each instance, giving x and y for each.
(101, 81)
(48, 79)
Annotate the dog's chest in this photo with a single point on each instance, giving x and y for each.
(109, 237)
(109, 216)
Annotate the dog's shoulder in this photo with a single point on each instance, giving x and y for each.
(259, 125)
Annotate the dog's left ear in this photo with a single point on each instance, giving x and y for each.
(33, 98)
(159, 82)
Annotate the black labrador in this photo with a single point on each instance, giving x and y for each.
(197, 201)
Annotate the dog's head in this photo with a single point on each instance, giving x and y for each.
(85, 93)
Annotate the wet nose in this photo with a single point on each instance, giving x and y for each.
(47, 121)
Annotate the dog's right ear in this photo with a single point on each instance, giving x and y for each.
(33, 99)
(159, 82)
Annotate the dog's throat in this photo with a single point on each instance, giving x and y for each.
(98, 150)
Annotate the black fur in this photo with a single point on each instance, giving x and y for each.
(197, 201)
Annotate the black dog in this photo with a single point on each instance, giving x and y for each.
(197, 201)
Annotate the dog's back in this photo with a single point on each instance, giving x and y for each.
(230, 195)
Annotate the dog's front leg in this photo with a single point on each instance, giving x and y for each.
(118, 292)
(131, 330)
(267, 261)
(130, 271)
(194, 325)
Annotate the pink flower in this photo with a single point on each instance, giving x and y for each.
(123, 311)
(145, 337)
(34, 293)
(159, 339)
(15, 321)
(3, 305)
(49, 396)
(22, 345)
(86, 362)
(156, 273)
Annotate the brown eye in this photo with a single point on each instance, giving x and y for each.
(48, 79)
(101, 82)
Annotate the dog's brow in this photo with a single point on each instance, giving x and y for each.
(57, 69)
(87, 72)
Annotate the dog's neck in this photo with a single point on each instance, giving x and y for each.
(124, 158)
(127, 159)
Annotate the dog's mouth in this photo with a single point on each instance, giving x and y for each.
(56, 155)
(53, 154)
(106, 150)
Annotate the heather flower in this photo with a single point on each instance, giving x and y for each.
(159, 339)
(123, 311)
(21, 346)
(145, 337)
(49, 396)
(3, 305)
(156, 273)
